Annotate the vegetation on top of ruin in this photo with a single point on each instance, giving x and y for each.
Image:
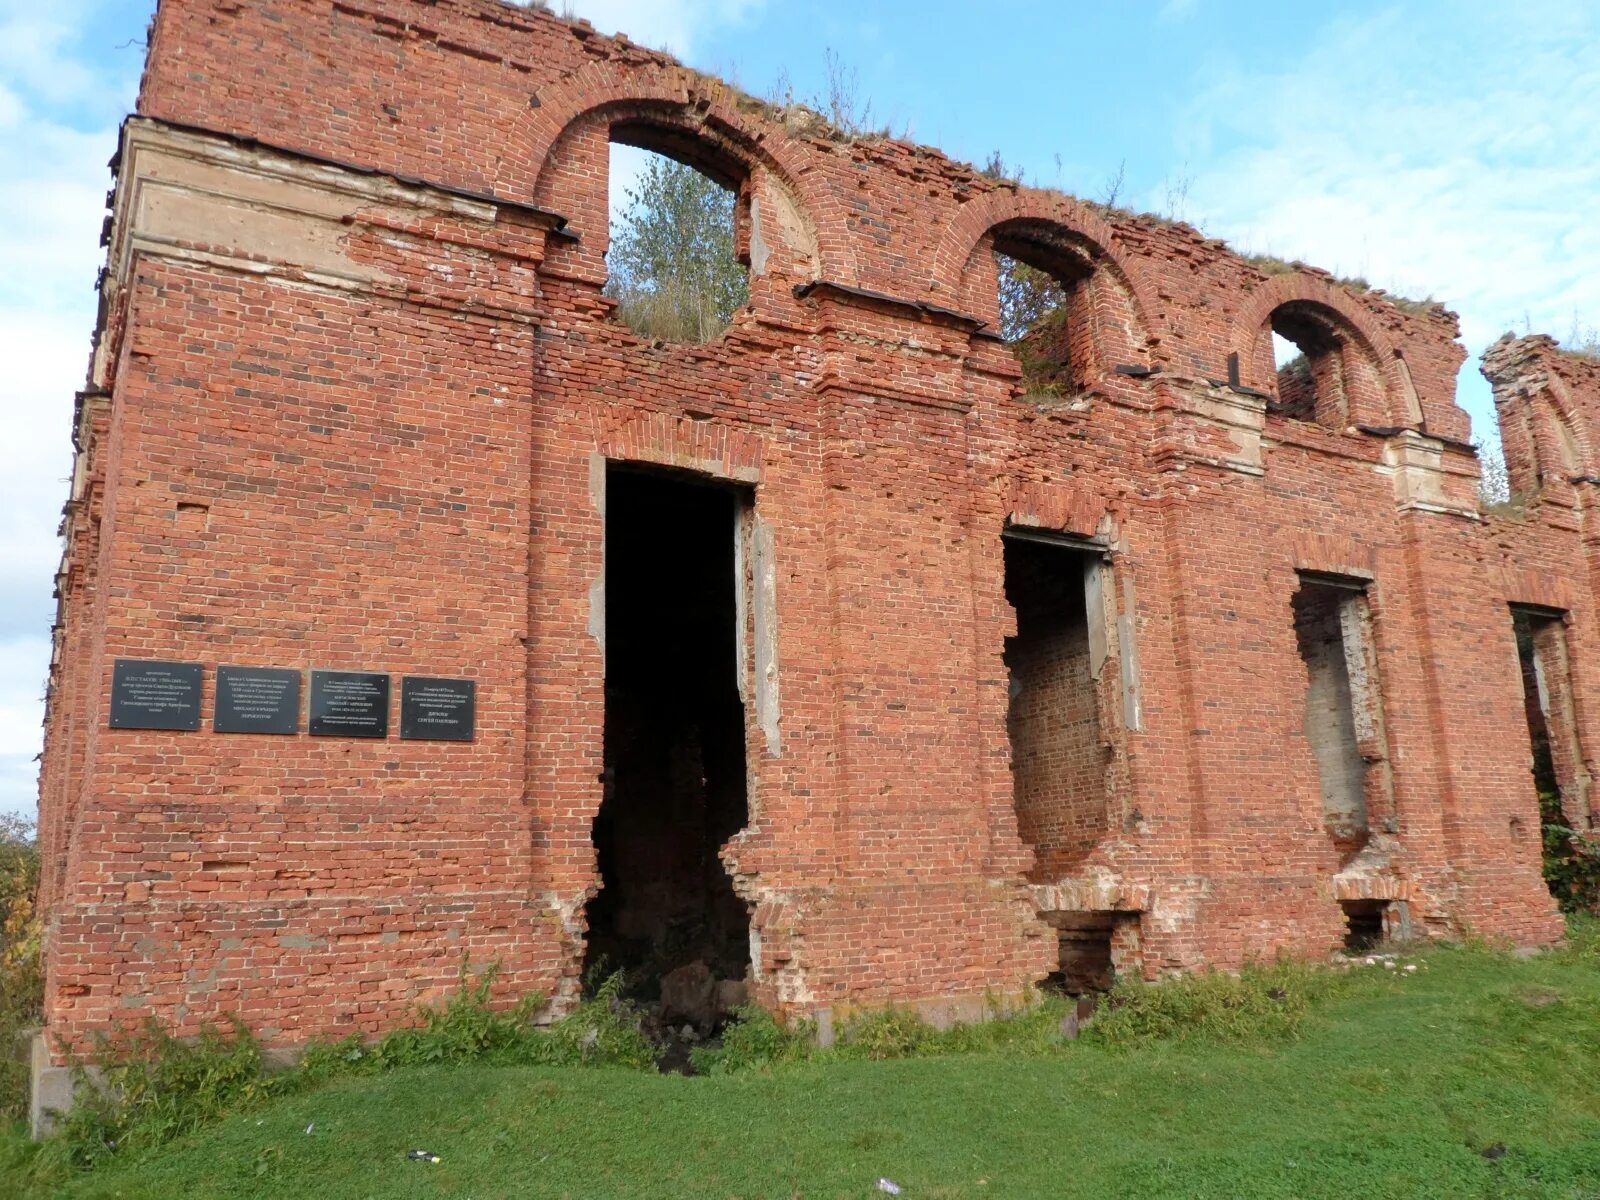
(1481, 1062)
(1270, 264)
(840, 114)
(1581, 339)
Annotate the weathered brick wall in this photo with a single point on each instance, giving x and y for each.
(353, 401)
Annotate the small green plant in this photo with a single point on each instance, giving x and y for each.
(603, 1031)
(757, 1040)
(886, 1033)
(1583, 940)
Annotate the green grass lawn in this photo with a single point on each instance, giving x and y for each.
(1395, 1087)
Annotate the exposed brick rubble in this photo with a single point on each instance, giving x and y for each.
(352, 405)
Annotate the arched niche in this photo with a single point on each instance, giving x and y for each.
(1332, 367)
(1102, 316)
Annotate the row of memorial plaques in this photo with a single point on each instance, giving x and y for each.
(166, 695)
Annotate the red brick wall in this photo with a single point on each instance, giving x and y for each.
(1056, 758)
(402, 470)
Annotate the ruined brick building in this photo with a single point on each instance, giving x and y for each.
(830, 652)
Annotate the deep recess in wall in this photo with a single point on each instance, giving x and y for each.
(675, 788)
(1084, 958)
(1058, 756)
(1330, 711)
(677, 270)
(1365, 925)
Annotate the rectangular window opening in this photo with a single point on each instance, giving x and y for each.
(1366, 924)
(1055, 661)
(1557, 765)
(1343, 718)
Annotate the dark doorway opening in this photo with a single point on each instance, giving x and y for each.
(1084, 965)
(675, 788)
(1059, 757)
(1364, 924)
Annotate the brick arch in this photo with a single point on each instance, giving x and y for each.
(1251, 325)
(1568, 413)
(689, 101)
(978, 217)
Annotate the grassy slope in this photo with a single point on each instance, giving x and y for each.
(1392, 1091)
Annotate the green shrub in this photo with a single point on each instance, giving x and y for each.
(1030, 1028)
(1571, 859)
(887, 1032)
(21, 973)
(1260, 1004)
(1583, 940)
(154, 1087)
(603, 1031)
(754, 1040)
(757, 1040)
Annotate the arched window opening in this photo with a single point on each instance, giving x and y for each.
(1043, 275)
(1308, 355)
(679, 247)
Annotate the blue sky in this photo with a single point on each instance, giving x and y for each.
(1440, 148)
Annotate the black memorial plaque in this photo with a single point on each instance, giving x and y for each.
(155, 695)
(349, 704)
(438, 710)
(256, 700)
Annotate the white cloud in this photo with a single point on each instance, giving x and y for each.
(1444, 151)
(671, 25)
(1176, 10)
(58, 127)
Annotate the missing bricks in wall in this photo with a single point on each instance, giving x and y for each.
(1365, 924)
(1094, 950)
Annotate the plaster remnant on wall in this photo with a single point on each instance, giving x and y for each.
(764, 568)
(1094, 605)
(597, 588)
(1128, 658)
(758, 243)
